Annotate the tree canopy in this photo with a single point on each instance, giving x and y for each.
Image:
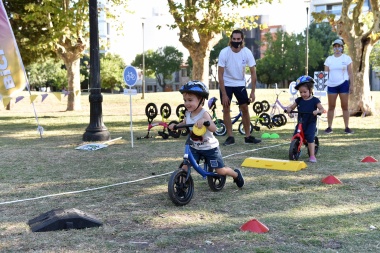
(201, 23)
(284, 57)
(162, 63)
(57, 28)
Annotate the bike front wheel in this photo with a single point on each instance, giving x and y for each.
(180, 190)
(216, 183)
(221, 129)
(241, 128)
(294, 150)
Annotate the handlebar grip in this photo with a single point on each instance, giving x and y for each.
(206, 123)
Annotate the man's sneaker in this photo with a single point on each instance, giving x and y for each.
(328, 130)
(348, 131)
(312, 159)
(230, 141)
(251, 139)
(239, 180)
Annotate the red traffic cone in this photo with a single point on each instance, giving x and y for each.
(331, 180)
(254, 226)
(369, 159)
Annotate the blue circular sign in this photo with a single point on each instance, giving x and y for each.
(130, 76)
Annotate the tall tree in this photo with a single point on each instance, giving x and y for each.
(322, 32)
(284, 57)
(360, 31)
(111, 69)
(163, 63)
(56, 27)
(201, 23)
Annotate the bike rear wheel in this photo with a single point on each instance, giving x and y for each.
(257, 107)
(165, 110)
(151, 111)
(216, 183)
(180, 190)
(294, 150)
(241, 128)
(265, 105)
(221, 129)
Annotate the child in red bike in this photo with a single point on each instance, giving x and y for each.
(308, 107)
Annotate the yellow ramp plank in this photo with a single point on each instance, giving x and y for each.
(273, 164)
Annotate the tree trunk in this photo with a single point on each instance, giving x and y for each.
(200, 54)
(360, 101)
(73, 77)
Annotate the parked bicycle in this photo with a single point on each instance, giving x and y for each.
(165, 111)
(181, 184)
(277, 118)
(221, 127)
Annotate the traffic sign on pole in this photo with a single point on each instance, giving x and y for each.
(130, 76)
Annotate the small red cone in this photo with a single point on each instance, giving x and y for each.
(254, 226)
(369, 159)
(331, 180)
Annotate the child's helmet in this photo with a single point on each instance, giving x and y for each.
(195, 87)
(302, 80)
(212, 102)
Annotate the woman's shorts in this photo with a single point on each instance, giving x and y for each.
(342, 88)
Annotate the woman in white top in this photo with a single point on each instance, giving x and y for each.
(339, 68)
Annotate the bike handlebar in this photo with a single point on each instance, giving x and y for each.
(286, 111)
(206, 123)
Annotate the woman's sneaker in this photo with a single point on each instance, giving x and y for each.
(239, 180)
(328, 130)
(348, 131)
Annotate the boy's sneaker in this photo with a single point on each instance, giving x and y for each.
(328, 130)
(230, 141)
(348, 131)
(251, 139)
(239, 180)
(312, 159)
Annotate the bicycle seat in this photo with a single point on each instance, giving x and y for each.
(211, 103)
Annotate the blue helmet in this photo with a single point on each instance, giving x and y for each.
(304, 80)
(195, 87)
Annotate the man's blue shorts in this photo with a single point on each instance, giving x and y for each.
(240, 93)
(342, 88)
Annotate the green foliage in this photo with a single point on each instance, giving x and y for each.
(322, 33)
(111, 71)
(48, 73)
(284, 58)
(162, 63)
(214, 54)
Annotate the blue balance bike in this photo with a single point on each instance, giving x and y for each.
(181, 184)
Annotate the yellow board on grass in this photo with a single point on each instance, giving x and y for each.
(273, 164)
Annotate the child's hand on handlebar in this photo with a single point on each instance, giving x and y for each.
(201, 122)
(172, 126)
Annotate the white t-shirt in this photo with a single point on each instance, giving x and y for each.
(338, 72)
(234, 65)
(206, 141)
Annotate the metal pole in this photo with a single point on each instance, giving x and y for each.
(307, 42)
(143, 80)
(96, 130)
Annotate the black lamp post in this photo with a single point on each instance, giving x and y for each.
(307, 2)
(96, 130)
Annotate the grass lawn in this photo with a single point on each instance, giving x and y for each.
(125, 187)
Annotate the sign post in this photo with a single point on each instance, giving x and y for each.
(130, 78)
